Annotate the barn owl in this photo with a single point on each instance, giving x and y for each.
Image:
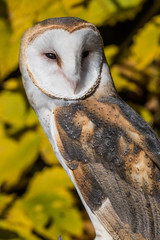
(109, 152)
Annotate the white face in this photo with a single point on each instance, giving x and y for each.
(65, 65)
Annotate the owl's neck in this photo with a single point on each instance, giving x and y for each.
(106, 87)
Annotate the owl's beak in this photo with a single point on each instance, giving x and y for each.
(74, 85)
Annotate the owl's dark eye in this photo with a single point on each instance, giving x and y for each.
(85, 54)
(51, 55)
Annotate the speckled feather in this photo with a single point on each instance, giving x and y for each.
(116, 149)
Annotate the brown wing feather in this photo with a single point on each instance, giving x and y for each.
(112, 166)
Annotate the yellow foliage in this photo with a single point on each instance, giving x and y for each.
(17, 156)
(146, 45)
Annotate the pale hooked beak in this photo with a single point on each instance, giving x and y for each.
(74, 85)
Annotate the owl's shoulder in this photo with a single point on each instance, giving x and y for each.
(97, 119)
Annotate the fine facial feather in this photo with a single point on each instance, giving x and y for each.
(70, 68)
(97, 140)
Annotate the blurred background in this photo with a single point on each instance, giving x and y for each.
(37, 199)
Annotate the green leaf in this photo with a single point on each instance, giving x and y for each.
(13, 108)
(146, 45)
(11, 84)
(120, 81)
(5, 200)
(16, 228)
(128, 4)
(146, 115)
(52, 204)
(46, 149)
(47, 208)
(16, 156)
(110, 52)
(9, 50)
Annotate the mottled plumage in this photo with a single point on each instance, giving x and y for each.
(110, 153)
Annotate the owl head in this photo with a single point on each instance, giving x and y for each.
(62, 57)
